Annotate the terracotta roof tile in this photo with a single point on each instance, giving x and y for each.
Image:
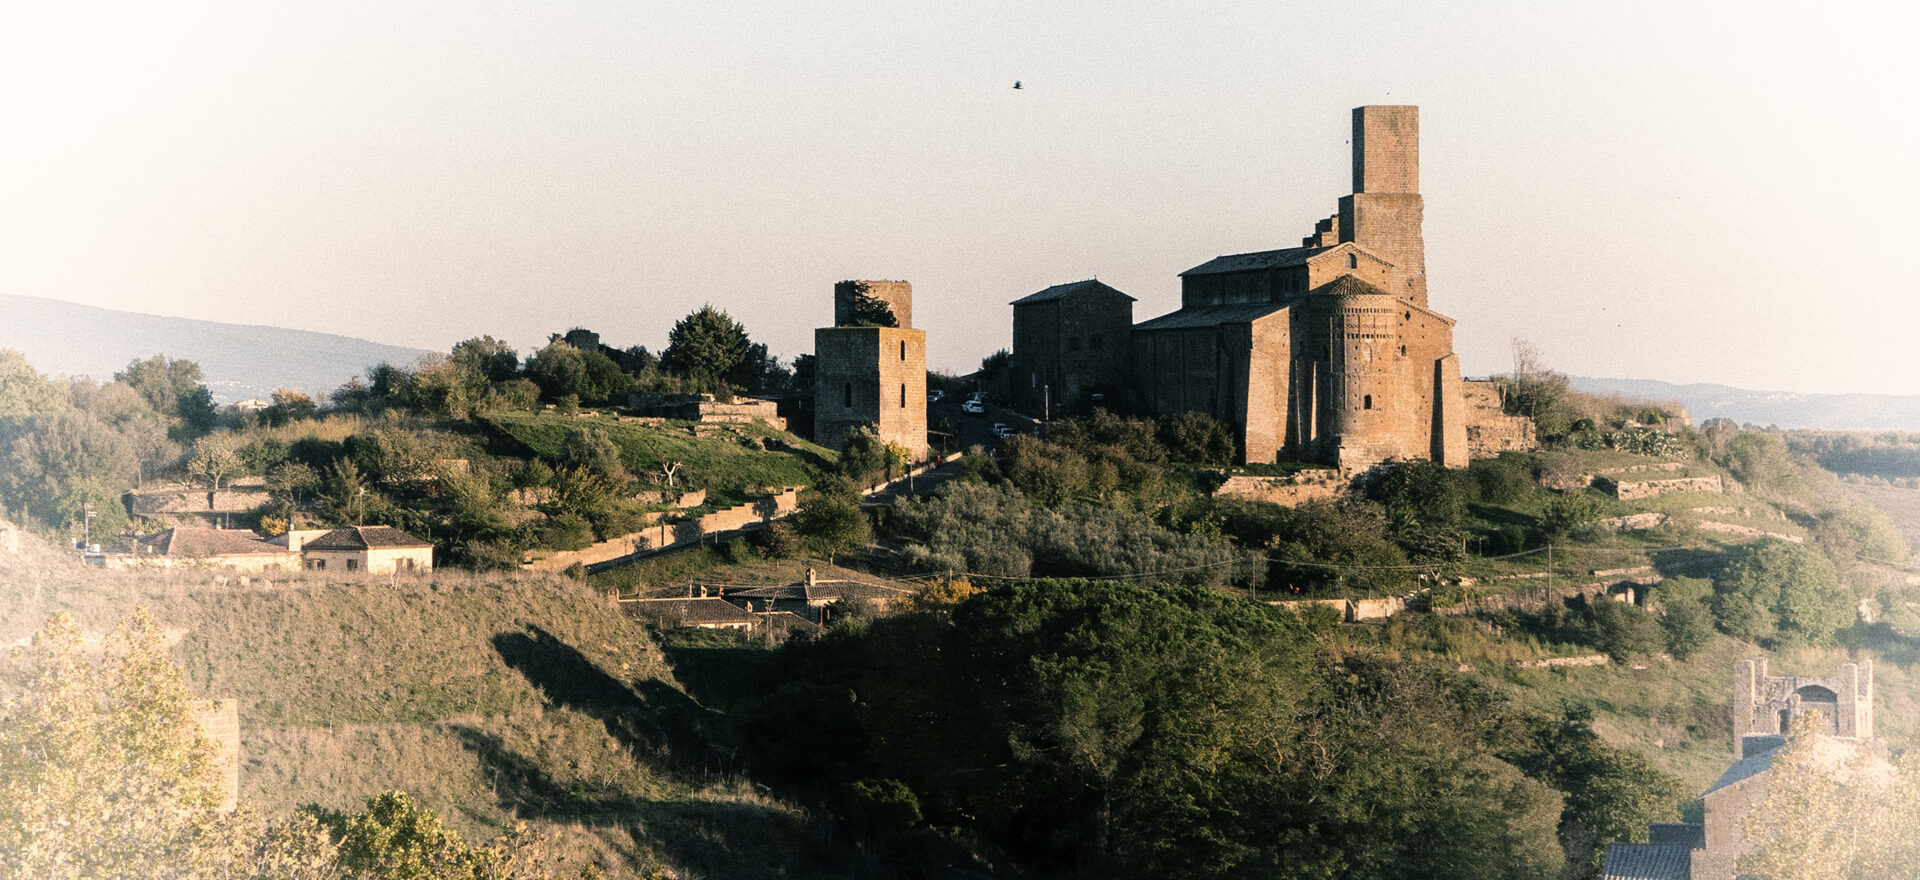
(365, 538)
(192, 543)
(1060, 291)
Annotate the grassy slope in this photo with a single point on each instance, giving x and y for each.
(489, 698)
(726, 460)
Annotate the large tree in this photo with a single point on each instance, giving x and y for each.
(23, 391)
(708, 347)
(1776, 591)
(172, 387)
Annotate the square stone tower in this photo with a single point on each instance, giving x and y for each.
(871, 377)
(1385, 212)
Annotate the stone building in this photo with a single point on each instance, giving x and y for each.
(868, 377)
(370, 549)
(1764, 708)
(1070, 342)
(1324, 352)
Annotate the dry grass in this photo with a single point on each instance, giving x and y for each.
(490, 698)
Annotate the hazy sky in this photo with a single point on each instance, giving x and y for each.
(1680, 191)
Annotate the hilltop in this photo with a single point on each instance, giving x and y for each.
(1783, 409)
(238, 361)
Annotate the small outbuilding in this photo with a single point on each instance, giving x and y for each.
(229, 549)
(372, 549)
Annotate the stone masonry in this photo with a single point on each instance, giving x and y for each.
(871, 378)
(1326, 352)
(1070, 342)
(1765, 708)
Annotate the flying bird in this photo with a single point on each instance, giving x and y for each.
(1017, 85)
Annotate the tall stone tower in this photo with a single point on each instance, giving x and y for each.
(871, 377)
(1385, 212)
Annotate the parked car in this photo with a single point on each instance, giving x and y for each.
(936, 395)
(974, 408)
(1003, 431)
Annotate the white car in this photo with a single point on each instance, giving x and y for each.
(1003, 431)
(974, 407)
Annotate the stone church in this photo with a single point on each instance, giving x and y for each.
(1326, 352)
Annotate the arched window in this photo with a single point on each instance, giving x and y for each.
(1353, 261)
(1366, 402)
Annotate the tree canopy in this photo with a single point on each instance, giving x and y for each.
(709, 347)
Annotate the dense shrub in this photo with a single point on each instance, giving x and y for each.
(1780, 592)
(998, 530)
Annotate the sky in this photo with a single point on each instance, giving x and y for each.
(1692, 192)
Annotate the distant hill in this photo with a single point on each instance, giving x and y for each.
(237, 360)
(1837, 412)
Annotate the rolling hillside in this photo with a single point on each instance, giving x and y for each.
(237, 360)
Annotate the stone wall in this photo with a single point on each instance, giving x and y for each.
(661, 536)
(703, 408)
(898, 295)
(871, 377)
(1633, 490)
(220, 721)
(196, 501)
(1490, 431)
(1069, 347)
(1288, 491)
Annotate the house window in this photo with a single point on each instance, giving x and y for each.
(317, 564)
(1353, 261)
(353, 565)
(848, 395)
(1366, 402)
(903, 349)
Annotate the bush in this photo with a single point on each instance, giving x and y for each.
(1507, 479)
(1783, 593)
(1620, 630)
(1685, 616)
(566, 531)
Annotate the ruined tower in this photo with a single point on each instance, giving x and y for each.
(871, 377)
(1766, 706)
(1384, 214)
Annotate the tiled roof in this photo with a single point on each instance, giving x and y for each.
(1059, 291)
(1347, 285)
(203, 543)
(1209, 316)
(690, 612)
(365, 538)
(1647, 861)
(1744, 769)
(1256, 260)
(821, 590)
(831, 590)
